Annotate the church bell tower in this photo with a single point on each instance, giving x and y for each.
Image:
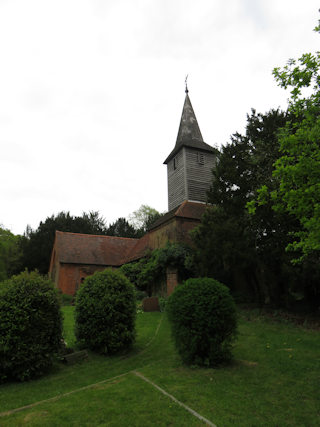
(190, 163)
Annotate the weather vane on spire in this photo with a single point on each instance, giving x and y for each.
(186, 82)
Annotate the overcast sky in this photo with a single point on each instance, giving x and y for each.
(91, 93)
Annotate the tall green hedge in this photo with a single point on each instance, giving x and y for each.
(203, 321)
(30, 326)
(105, 312)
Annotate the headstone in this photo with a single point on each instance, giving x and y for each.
(150, 304)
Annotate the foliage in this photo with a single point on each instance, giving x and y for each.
(203, 321)
(122, 228)
(143, 218)
(65, 299)
(234, 247)
(272, 361)
(140, 294)
(150, 272)
(295, 187)
(9, 253)
(105, 312)
(132, 271)
(36, 245)
(162, 304)
(30, 326)
(298, 169)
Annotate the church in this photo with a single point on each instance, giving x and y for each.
(189, 173)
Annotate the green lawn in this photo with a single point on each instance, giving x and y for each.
(274, 381)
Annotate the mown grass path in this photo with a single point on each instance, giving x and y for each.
(273, 381)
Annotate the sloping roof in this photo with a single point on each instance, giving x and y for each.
(187, 209)
(140, 249)
(189, 133)
(76, 248)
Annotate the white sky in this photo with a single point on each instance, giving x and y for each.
(91, 93)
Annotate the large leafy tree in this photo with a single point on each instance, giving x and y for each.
(9, 253)
(296, 175)
(122, 228)
(143, 218)
(297, 171)
(36, 245)
(244, 251)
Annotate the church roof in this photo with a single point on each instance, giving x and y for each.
(89, 249)
(187, 210)
(189, 133)
(76, 248)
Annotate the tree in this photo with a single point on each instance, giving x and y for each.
(105, 312)
(298, 169)
(203, 320)
(121, 228)
(143, 218)
(9, 253)
(233, 247)
(36, 245)
(30, 326)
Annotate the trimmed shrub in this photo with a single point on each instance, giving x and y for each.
(30, 326)
(65, 299)
(203, 321)
(105, 312)
(140, 294)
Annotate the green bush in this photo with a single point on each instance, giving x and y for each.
(162, 303)
(149, 273)
(105, 312)
(30, 326)
(140, 294)
(65, 299)
(203, 321)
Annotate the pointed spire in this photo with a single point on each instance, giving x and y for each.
(189, 129)
(189, 134)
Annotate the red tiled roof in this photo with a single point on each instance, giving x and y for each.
(76, 248)
(140, 249)
(192, 210)
(187, 209)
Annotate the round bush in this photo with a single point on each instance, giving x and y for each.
(105, 312)
(203, 321)
(30, 326)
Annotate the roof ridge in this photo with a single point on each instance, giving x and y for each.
(180, 207)
(96, 235)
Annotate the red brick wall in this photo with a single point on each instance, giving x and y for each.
(175, 231)
(172, 280)
(68, 279)
(71, 275)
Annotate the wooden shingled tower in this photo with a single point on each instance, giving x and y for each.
(190, 163)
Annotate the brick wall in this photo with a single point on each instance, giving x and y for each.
(72, 275)
(172, 280)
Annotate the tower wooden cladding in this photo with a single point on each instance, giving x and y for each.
(190, 163)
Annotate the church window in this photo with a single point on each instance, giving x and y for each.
(201, 158)
(175, 163)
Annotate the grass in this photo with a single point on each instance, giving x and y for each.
(274, 381)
